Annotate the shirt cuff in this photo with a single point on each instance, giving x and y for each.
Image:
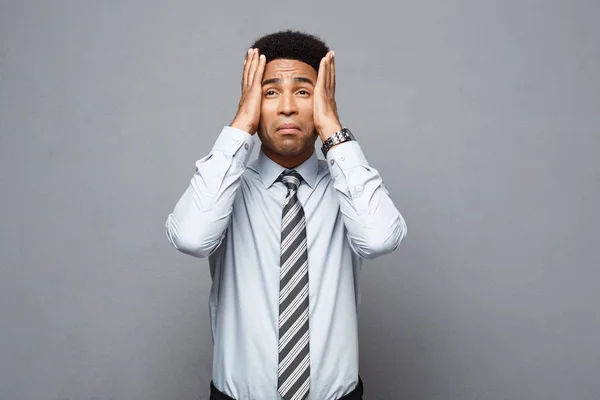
(235, 142)
(344, 157)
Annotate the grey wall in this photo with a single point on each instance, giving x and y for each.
(482, 117)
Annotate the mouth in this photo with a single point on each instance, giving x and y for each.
(288, 128)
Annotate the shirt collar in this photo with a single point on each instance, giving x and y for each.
(269, 170)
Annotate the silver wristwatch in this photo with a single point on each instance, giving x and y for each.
(341, 136)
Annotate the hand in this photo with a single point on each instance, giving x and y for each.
(325, 113)
(247, 117)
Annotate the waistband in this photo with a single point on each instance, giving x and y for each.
(355, 394)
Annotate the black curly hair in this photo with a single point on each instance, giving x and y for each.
(293, 45)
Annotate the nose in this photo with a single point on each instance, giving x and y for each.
(287, 105)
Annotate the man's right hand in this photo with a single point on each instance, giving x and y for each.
(248, 113)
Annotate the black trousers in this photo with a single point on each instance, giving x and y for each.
(356, 394)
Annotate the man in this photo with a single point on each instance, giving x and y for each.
(286, 234)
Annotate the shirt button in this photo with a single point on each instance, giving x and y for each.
(246, 146)
(332, 162)
(342, 158)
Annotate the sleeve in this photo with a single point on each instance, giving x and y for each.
(375, 227)
(199, 221)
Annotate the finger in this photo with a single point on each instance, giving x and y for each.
(326, 72)
(253, 66)
(262, 61)
(321, 75)
(332, 71)
(249, 65)
(246, 68)
(319, 83)
(244, 73)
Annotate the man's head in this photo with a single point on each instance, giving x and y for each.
(288, 82)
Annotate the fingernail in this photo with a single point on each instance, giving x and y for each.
(249, 50)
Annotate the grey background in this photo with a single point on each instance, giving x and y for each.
(482, 117)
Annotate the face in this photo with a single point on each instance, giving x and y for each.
(286, 128)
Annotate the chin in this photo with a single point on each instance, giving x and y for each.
(288, 150)
(288, 145)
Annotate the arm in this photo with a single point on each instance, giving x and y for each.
(375, 227)
(201, 216)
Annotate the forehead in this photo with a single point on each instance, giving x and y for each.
(284, 68)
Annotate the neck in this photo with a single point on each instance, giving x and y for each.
(288, 162)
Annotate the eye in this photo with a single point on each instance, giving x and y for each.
(304, 92)
(269, 92)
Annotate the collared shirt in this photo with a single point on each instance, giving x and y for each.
(231, 213)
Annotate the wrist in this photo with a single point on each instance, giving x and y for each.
(342, 136)
(244, 125)
(326, 131)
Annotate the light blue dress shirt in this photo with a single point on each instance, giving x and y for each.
(231, 213)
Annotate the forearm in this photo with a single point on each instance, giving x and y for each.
(201, 216)
(374, 224)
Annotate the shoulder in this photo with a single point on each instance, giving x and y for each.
(250, 177)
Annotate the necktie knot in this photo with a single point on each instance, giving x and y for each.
(291, 179)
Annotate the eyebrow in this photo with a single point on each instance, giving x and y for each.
(296, 79)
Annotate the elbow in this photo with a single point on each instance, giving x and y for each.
(382, 241)
(189, 240)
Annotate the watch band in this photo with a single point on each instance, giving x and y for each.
(341, 136)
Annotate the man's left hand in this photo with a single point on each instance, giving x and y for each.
(325, 114)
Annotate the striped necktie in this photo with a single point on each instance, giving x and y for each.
(294, 356)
